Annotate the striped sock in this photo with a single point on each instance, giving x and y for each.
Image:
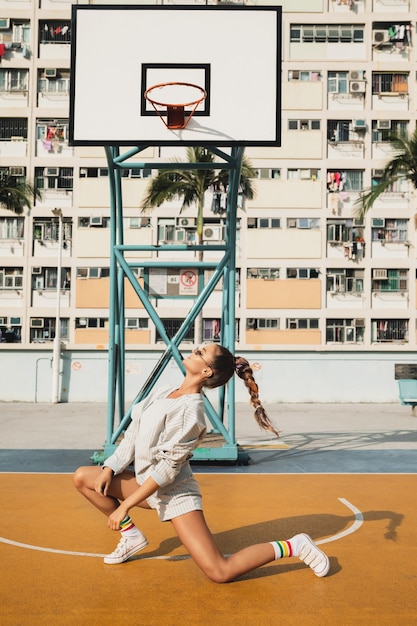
(282, 549)
(127, 527)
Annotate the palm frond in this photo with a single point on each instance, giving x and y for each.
(16, 195)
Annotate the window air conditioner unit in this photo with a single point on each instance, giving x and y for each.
(378, 222)
(36, 270)
(377, 174)
(356, 75)
(50, 72)
(17, 171)
(51, 171)
(383, 124)
(4, 23)
(359, 124)
(96, 220)
(359, 322)
(36, 322)
(251, 323)
(380, 36)
(292, 223)
(357, 86)
(186, 222)
(377, 273)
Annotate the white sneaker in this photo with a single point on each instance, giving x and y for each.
(126, 548)
(312, 555)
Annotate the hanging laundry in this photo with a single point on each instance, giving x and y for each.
(2, 50)
(64, 30)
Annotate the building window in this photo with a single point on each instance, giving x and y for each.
(268, 273)
(54, 178)
(42, 329)
(330, 33)
(10, 330)
(262, 323)
(54, 81)
(389, 230)
(304, 75)
(304, 223)
(268, 173)
(301, 323)
(344, 231)
(389, 331)
(11, 277)
(338, 82)
(14, 80)
(172, 326)
(13, 128)
(134, 323)
(45, 229)
(264, 222)
(94, 172)
(388, 82)
(344, 281)
(52, 132)
(54, 31)
(391, 280)
(344, 180)
(303, 124)
(302, 272)
(12, 227)
(93, 272)
(44, 278)
(345, 330)
(303, 173)
(91, 322)
(382, 130)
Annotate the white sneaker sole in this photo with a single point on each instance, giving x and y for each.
(315, 558)
(109, 560)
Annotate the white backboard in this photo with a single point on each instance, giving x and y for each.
(233, 52)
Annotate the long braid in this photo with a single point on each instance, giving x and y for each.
(245, 372)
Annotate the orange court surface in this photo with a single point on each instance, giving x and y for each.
(52, 571)
(344, 474)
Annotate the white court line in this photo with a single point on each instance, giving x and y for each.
(353, 528)
(356, 524)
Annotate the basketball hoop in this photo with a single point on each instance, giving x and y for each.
(176, 116)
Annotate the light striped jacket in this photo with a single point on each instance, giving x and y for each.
(161, 437)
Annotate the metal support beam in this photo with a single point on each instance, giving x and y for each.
(121, 268)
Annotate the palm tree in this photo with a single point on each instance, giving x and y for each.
(402, 165)
(191, 185)
(16, 193)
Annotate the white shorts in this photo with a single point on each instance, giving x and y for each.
(175, 501)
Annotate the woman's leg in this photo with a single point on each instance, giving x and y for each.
(194, 533)
(122, 486)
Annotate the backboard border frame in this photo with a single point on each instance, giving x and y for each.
(276, 142)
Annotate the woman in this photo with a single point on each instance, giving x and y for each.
(166, 427)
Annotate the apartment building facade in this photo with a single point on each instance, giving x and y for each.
(311, 275)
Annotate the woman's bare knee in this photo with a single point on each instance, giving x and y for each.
(83, 477)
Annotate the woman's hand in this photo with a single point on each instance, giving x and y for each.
(115, 519)
(103, 480)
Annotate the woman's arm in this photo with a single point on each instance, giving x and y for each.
(144, 491)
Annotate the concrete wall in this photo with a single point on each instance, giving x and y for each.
(304, 376)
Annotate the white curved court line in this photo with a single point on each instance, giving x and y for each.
(353, 528)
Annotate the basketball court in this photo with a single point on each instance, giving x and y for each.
(52, 541)
(329, 483)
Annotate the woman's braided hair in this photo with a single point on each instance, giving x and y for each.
(224, 365)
